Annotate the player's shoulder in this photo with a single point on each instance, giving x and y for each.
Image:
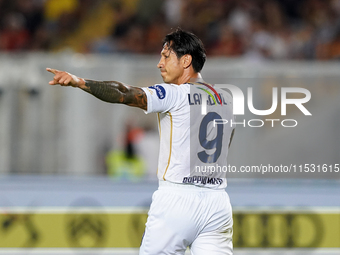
(167, 92)
(162, 88)
(158, 89)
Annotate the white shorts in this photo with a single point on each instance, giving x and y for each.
(184, 216)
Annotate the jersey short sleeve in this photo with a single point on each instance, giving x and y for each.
(161, 97)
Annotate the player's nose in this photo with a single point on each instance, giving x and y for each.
(160, 64)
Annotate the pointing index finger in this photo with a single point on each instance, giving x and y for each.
(51, 70)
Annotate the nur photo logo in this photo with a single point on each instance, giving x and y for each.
(239, 100)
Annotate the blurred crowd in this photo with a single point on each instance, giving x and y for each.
(255, 29)
(39, 25)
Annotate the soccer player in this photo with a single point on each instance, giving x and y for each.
(191, 207)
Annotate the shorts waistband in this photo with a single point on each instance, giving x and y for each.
(173, 185)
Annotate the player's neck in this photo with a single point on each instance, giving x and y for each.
(189, 77)
(197, 78)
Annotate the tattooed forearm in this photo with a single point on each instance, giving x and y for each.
(108, 91)
(116, 92)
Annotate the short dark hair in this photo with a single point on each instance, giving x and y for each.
(182, 43)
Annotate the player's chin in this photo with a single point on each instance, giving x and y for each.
(164, 77)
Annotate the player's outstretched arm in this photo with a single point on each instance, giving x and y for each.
(108, 91)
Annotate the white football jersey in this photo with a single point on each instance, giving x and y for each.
(193, 146)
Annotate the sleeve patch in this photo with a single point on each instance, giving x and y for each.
(160, 91)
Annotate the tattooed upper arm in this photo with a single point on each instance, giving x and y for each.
(117, 92)
(136, 97)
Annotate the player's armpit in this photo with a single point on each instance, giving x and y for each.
(117, 92)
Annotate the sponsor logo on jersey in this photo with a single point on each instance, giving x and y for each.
(160, 91)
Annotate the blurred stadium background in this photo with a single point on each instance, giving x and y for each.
(77, 174)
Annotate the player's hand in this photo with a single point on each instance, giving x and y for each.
(65, 79)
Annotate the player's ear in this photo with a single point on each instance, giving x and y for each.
(186, 60)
